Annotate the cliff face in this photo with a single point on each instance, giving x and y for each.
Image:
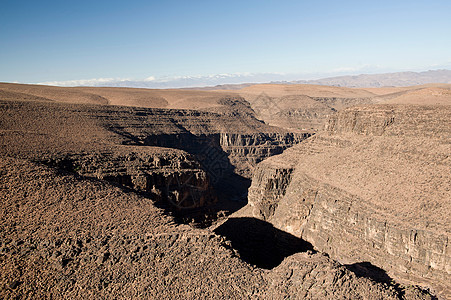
(222, 154)
(246, 150)
(375, 187)
(360, 122)
(269, 185)
(338, 223)
(169, 176)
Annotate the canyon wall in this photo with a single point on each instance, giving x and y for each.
(168, 176)
(212, 153)
(374, 187)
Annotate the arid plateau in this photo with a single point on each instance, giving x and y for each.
(270, 191)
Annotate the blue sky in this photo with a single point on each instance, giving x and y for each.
(44, 41)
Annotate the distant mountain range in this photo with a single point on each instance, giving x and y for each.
(237, 81)
(362, 80)
(387, 79)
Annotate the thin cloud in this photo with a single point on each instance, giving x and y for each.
(171, 81)
(84, 82)
(355, 69)
(150, 78)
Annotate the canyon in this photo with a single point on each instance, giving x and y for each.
(269, 191)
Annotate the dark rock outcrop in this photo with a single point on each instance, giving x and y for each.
(169, 176)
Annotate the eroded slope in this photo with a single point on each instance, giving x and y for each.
(374, 187)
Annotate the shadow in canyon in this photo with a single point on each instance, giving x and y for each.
(259, 243)
(228, 195)
(368, 270)
(374, 273)
(230, 188)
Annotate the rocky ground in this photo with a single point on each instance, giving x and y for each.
(125, 193)
(374, 187)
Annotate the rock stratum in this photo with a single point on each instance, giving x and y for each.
(307, 106)
(126, 193)
(373, 187)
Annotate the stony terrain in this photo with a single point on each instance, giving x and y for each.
(110, 193)
(374, 187)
